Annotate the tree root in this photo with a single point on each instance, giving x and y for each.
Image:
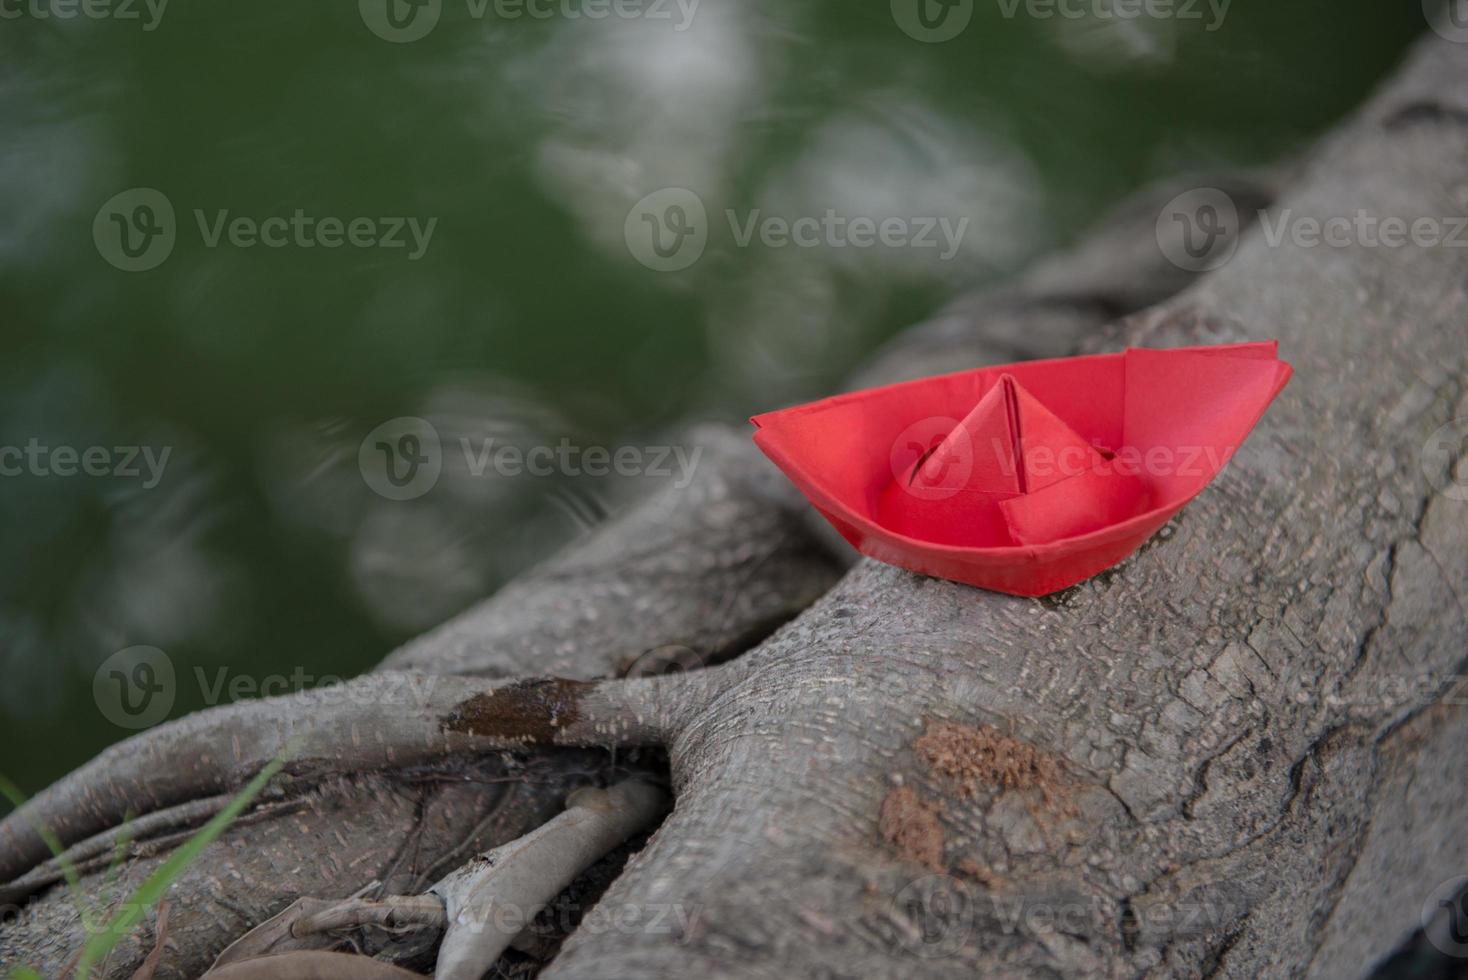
(383, 720)
(394, 913)
(146, 835)
(480, 907)
(1134, 680)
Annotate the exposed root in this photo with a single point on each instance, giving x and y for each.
(316, 924)
(147, 835)
(522, 876)
(394, 913)
(380, 721)
(480, 908)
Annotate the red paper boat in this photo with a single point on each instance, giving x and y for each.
(1025, 478)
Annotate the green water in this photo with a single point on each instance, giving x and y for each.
(261, 552)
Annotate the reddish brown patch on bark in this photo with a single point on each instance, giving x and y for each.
(975, 757)
(912, 827)
(528, 711)
(981, 873)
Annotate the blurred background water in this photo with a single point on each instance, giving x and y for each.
(262, 550)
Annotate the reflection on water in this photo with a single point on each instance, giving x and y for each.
(529, 320)
(968, 205)
(625, 107)
(1112, 43)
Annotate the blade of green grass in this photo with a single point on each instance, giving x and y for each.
(150, 891)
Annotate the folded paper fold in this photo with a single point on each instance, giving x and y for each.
(1030, 477)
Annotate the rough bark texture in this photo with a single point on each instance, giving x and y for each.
(1233, 755)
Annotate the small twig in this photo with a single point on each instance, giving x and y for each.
(160, 932)
(313, 965)
(394, 913)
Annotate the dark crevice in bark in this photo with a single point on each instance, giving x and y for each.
(1200, 776)
(1128, 925)
(1431, 113)
(676, 657)
(1214, 964)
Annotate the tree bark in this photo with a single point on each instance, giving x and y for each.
(1232, 755)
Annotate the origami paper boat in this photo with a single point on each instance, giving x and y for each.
(1025, 478)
